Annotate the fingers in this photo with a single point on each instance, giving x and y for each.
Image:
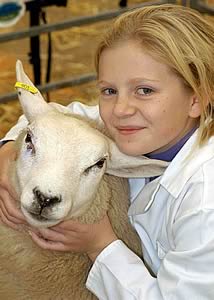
(51, 235)
(9, 209)
(53, 240)
(76, 237)
(47, 244)
(12, 192)
(76, 226)
(6, 221)
(9, 214)
(5, 185)
(68, 225)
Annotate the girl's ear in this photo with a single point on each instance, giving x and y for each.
(32, 104)
(195, 107)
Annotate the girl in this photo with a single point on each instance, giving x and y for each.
(156, 80)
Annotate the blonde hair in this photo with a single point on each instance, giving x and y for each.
(179, 37)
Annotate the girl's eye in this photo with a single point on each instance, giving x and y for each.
(144, 91)
(108, 91)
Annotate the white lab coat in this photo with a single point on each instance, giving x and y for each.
(174, 217)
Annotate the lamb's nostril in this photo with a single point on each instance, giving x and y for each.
(45, 200)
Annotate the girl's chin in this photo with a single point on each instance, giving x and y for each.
(132, 150)
(132, 145)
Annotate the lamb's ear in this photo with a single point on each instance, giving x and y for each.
(122, 165)
(32, 104)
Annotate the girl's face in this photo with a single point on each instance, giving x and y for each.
(144, 105)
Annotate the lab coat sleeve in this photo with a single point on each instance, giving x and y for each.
(186, 271)
(120, 274)
(75, 107)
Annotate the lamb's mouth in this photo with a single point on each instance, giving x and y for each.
(36, 215)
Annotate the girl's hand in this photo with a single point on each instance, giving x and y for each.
(9, 213)
(73, 236)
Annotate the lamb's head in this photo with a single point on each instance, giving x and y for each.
(61, 162)
(62, 159)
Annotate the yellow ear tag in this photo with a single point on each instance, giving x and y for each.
(26, 87)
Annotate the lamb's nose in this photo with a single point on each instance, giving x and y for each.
(44, 200)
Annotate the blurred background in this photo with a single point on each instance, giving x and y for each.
(72, 50)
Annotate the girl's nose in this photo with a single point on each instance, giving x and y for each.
(123, 107)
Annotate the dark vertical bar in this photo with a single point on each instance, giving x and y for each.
(35, 44)
(123, 3)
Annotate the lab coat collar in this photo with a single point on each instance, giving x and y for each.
(179, 171)
(185, 164)
(145, 198)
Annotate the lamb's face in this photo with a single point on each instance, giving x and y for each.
(61, 163)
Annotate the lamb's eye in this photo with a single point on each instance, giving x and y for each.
(28, 138)
(28, 141)
(98, 165)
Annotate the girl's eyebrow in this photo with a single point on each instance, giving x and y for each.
(102, 82)
(143, 79)
(134, 80)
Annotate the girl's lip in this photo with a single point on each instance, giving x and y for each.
(129, 130)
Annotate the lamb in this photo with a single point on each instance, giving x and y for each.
(67, 167)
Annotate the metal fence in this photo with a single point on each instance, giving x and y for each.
(80, 21)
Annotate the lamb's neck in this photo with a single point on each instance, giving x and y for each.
(99, 205)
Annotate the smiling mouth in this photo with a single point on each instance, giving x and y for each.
(129, 130)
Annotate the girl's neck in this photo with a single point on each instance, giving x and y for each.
(170, 153)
